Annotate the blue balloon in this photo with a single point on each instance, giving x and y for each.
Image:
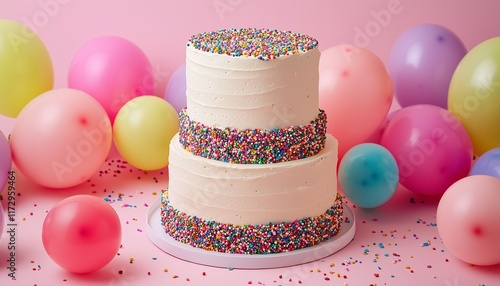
(487, 164)
(368, 175)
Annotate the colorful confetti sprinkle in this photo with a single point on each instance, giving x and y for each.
(252, 146)
(263, 44)
(250, 239)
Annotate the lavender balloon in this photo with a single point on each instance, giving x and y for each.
(5, 160)
(422, 62)
(1, 221)
(176, 88)
(488, 164)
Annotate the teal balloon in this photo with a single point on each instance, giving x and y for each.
(368, 175)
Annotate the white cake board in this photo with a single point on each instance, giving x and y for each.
(189, 253)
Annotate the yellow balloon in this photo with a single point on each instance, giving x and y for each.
(142, 131)
(474, 95)
(25, 67)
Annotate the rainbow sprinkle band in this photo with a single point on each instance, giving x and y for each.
(252, 146)
(263, 44)
(250, 239)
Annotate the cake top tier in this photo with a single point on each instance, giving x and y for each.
(263, 44)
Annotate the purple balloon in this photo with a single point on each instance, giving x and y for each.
(1, 222)
(176, 88)
(487, 164)
(5, 160)
(422, 62)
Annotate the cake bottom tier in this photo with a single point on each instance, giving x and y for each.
(251, 239)
(252, 194)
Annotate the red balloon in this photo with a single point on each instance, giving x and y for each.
(82, 233)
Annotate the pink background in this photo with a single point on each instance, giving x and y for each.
(161, 29)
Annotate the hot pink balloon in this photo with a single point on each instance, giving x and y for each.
(468, 221)
(113, 70)
(432, 148)
(61, 138)
(82, 233)
(356, 92)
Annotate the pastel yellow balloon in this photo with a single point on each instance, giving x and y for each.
(474, 95)
(25, 67)
(142, 131)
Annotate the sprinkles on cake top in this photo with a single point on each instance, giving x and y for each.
(264, 44)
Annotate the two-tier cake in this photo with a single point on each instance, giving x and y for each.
(252, 169)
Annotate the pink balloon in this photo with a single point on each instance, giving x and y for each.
(113, 70)
(377, 135)
(5, 160)
(432, 148)
(81, 233)
(61, 138)
(468, 220)
(356, 92)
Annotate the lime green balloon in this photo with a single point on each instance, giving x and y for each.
(474, 95)
(25, 67)
(142, 131)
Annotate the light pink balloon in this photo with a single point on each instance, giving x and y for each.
(82, 233)
(377, 135)
(356, 92)
(61, 138)
(5, 160)
(468, 220)
(113, 70)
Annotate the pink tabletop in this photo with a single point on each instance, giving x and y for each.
(395, 244)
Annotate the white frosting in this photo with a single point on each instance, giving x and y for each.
(252, 193)
(247, 93)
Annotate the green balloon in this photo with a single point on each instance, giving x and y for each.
(25, 67)
(474, 95)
